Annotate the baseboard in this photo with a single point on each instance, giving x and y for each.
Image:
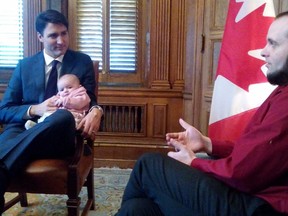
(123, 164)
(122, 156)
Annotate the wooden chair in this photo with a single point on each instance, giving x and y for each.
(60, 176)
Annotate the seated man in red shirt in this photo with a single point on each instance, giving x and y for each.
(250, 176)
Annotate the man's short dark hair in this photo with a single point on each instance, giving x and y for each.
(49, 16)
(285, 13)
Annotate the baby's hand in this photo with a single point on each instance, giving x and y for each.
(57, 100)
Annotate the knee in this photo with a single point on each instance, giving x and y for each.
(150, 160)
(62, 117)
(151, 157)
(64, 114)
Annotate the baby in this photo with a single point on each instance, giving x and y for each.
(71, 96)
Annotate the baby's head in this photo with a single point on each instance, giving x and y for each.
(68, 83)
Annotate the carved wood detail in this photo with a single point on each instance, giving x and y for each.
(128, 119)
(177, 45)
(31, 42)
(160, 43)
(159, 120)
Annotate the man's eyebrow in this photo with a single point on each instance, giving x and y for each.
(52, 34)
(56, 33)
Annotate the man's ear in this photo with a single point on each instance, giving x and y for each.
(40, 37)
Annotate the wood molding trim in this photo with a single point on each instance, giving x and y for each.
(177, 44)
(160, 44)
(159, 120)
(31, 42)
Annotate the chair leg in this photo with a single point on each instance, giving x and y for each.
(73, 206)
(89, 183)
(90, 188)
(21, 197)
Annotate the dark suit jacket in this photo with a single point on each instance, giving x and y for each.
(27, 87)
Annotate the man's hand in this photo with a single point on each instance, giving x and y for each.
(46, 106)
(191, 138)
(90, 123)
(182, 153)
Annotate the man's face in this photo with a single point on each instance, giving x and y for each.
(55, 39)
(276, 52)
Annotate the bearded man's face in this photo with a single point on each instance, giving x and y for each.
(276, 52)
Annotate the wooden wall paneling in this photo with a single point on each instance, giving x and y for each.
(160, 44)
(283, 5)
(31, 43)
(129, 96)
(194, 42)
(60, 5)
(72, 17)
(218, 13)
(111, 155)
(214, 24)
(127, 119)
(159, 120)
(177, 44)
(143, 41)
(280, 6)
(174, 112)
(215, 46)
(163, 109)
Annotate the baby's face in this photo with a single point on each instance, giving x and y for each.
(65, 86)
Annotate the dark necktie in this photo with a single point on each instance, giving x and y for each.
(51, 87)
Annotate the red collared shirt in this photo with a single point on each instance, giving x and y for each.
(257, 163)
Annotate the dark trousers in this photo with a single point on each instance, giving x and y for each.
(53, 138)
(160, 185)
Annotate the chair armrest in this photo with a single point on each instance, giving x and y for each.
(83, 147)
(80, 164)
(79, 149)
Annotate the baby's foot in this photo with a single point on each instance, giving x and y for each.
(29, 124)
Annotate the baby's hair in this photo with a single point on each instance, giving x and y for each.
(73, 76)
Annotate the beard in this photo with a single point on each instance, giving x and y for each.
(280, 76)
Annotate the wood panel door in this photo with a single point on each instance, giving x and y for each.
(214, 23)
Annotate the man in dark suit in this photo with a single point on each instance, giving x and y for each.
(25, 99)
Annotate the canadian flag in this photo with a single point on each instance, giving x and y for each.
(241, 85)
